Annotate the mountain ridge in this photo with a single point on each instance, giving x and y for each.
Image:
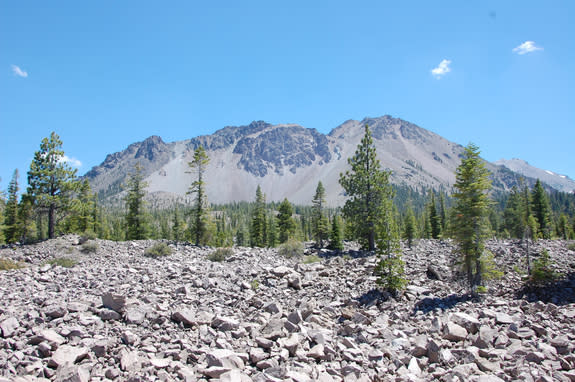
(288, 160)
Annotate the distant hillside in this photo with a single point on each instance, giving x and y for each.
(288, 160)
(557, 181)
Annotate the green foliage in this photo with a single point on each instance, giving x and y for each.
(82, 207)
(51, 181)
(291, 248)
(335, 238)
(310, 259)
(255, 284)
(159, 249)
(89, 247)
(320, 225)
(489, 269)
(367, 187)
(410, 227)
(64, 262)
(200, 213)
(220, 254)
(542, 270)
(470, 212)
(571, 246)
(137, 217)
(86, 236)
(434, 218)
(11, 219)
(481, 289)
(390, 268)
(286, 224)
(258, 223)
(541, 210)
(9, 264)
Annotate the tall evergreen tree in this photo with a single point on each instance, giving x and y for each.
(286, 224)
(367, 187)
(258, 223)
(272, 235)
(51, 181)
(335, 237)
(390, 268)
(137, 222)
(320, 223)
(541, 210)
(82, 217)
(200, 209)
(11, 223)
(178, 226)
(410, 226)
(471, 211)
(434, 218)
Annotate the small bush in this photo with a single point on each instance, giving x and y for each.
(220, 254)
(255, 284)
(87, 236)
(89, 247)
(571, 246)
(481, 289)
(8, 264)
(489, 269)
(158, 250)
(291, 248)
(542, 270)
(64, 262)
(311, 259)
(391, 274)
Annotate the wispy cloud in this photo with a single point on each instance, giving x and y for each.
(71, 161)
(526, 47)
(19, 72)
(442, 69)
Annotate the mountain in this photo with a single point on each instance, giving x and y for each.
(557, 181)
(288, 160)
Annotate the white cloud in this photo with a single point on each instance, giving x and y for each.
(71, 161)
(19, 72)
(526, 47)
(442, 69)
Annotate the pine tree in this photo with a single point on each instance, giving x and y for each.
(541, 210)
(390, 268)
(178, 226)
(471, 211)
(51, 181)
(410, 227)
(335, 238)
(320, 223)
(367, 187)
(27, 229)
(11, 223)
(286, 224)
(434, 218)
(258, 224)
(81, 219)
(200, 214)
(272, 236)
(137, 219)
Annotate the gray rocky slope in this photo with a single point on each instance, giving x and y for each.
(118, 315)
(557, 181)
(288, 160)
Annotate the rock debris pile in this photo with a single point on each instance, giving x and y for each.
(119, 315)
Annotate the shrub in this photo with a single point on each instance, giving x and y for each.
(220, 254)
(89, 247)
(87, 236)
(542, 270)
(481, 289)
(489, 269)
(158, 250)
(65, 262)
(291, 248)
(311, 259)
(8, 264)
(571, 246)
(391, 274)
(255, 284)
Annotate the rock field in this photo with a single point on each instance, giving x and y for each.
(119, 315)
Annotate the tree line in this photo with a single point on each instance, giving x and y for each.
(376, 214)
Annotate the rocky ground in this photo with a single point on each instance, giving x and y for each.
(119, 315)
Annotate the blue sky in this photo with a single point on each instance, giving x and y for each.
(104, 74)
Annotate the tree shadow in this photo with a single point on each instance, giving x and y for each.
(373, 296)
(430, 304)
(560, 292)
